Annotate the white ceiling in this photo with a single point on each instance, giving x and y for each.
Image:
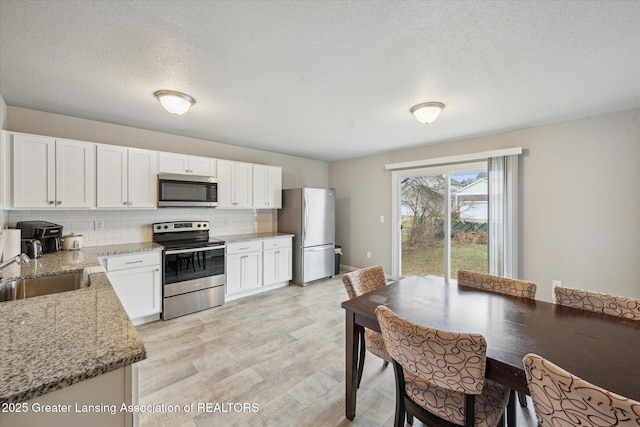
(324, 80)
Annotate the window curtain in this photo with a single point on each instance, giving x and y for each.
(503, 216)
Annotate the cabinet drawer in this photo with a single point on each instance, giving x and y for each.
(244, 247)
(132, 261)
(277, 243)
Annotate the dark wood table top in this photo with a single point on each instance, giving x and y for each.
(601, 349)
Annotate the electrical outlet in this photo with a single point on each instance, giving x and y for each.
(381, 218)
(98, 225)
(557, 283)
(369, 255)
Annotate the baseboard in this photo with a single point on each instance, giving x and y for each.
(348, 267)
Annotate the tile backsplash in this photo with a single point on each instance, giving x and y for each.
(134, 226)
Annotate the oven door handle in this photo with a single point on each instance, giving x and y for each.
(184, 251)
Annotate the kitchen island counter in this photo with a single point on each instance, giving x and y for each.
(53, 341)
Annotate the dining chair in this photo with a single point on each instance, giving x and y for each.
(501, 285)
(358, 283)
(440, 375)
(597, 302)
(561, 398)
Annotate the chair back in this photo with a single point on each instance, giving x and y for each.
(561, 398)
(597, 302)
(363, 281)
(454, 361)
(497, 284)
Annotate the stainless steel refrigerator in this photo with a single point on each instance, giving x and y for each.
(309, 214)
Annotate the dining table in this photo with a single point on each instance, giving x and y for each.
(603, 350)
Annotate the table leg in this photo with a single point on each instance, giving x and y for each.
(351, 369)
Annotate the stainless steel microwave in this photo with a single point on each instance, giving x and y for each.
(190, 191)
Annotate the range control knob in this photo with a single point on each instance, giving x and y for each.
(199, 225)
(166, 227)
(159, 227)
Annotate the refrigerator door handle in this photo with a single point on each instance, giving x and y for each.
(322, 248)
(305, 220)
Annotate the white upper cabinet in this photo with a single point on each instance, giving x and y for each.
(143, 178)
(235, 184)
(127, 177)
(52, 173)
(41, 172)
(184, 164)
(267, 187)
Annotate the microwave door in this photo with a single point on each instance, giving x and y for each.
(183, 192)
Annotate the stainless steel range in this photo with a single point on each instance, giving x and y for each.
(193, 275)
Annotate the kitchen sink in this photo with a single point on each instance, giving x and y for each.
(37, 286)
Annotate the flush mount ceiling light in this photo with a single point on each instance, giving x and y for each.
(176, 103)
(427, 112)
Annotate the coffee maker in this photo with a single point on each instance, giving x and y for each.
(48, 233)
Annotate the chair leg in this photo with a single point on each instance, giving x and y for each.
(511, 409)
(363, 351)
(409, 418)
(385, 363)
(522, 398)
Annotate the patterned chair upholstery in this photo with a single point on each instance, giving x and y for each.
(501, 285)
(562, 399)
(440, 376)
(627, 308)
(358, 283)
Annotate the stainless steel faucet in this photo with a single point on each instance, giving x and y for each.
(18, 259)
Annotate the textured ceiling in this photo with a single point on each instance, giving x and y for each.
(325, 80)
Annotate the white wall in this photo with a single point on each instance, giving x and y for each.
(580, 202)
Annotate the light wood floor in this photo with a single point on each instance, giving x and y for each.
(282, 351)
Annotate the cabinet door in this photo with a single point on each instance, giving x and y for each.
(251, 269)
(173, 163)
(260, 186)
(225, 183)
(233, 271)
(274, 189)
(143, 178)
(75, 174)
(244, 272)
(277, 266)
(112, 176)
(285, 265)
(204, 166)
(243, 185)
(139, 290)
(267, 187)
(34, 171)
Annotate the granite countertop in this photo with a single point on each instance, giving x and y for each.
(53, 341)
(233, 238)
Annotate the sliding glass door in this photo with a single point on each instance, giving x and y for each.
(443, 220)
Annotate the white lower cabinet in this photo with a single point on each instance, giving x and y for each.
(244, 266)
(277, 261)
(257, 265)
(137, 280)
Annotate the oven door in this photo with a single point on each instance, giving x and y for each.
(188, 270)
